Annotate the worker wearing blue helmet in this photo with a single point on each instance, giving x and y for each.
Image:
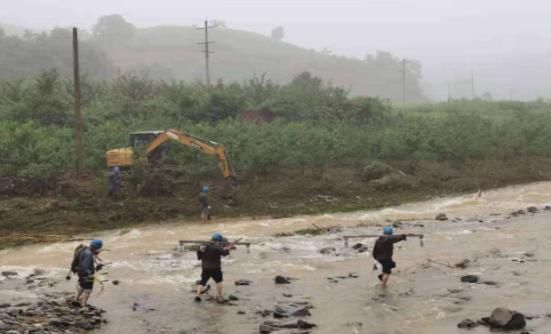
(383, 251)
(204, 204)
(84, 265)
(211, 264)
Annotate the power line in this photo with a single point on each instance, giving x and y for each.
(207, 50)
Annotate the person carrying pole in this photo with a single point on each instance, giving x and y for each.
(383, 251)
(210, 255)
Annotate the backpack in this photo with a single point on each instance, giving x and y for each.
(76, 257)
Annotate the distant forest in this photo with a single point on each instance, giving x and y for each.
(169, 53)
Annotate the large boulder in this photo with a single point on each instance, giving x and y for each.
(506, 319)
(500, 317)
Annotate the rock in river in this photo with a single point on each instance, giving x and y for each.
(469, 279)
(467, 324)
(328, 250)
(281, 280)
(532, 209)
(505, 319)
(243, 282)
(441, 216)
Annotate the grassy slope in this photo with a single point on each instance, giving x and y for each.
(240, 55)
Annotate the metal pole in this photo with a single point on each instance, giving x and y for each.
(78, 121)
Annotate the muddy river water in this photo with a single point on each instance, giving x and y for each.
(513, 253)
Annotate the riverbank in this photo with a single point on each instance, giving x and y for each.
(507, 252)
(75, 208)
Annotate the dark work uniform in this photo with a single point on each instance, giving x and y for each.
(384, 249)
(211, 261)
(204, 204)
(114, 180)
(86, 269)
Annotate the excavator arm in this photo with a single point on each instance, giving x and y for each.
(203, 145)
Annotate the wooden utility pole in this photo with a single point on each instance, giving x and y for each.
(78, 121)
(404, 63)
(207, 50)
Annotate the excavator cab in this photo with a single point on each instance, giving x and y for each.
(140, 141)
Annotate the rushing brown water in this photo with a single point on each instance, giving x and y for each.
(154, 295)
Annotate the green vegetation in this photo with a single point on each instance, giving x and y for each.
(315, 125)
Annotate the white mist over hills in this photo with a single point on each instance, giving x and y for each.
(504, 43)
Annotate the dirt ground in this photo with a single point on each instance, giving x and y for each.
(73, 208)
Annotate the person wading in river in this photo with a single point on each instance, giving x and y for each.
(383, 251)
(204, 204)
(84, 265)
(211, 264)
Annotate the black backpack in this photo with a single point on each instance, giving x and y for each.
(76, 257)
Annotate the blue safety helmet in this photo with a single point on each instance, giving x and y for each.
(388, 230)
(96, 244)
(205, 189)
(116, 169)
(217, 237)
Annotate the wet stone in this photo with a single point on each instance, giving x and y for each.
(281, 280)
(9, 274)
(397, 224)
(305, 325)
(243, 282)
(469, 279)
(532, 209)
(467, 324)
(441, 217)
(463, 264)
(328, 250)
(490, 283)
(504, 319)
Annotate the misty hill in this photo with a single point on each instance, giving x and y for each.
(172, 52)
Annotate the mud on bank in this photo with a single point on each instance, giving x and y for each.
(70, 208)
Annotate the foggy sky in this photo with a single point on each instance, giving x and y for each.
(506, 43)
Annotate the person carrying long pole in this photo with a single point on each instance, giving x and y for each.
(383, 251)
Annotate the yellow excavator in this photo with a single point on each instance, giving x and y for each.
(152, 142)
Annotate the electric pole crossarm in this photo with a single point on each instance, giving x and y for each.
(206, 50)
